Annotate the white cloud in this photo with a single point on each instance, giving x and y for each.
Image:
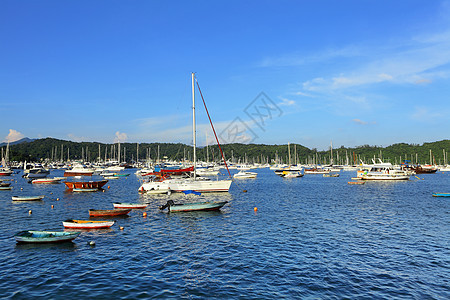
(13, 136)
(157, 129)
(359, 122)
(418, 60)
(77, 138)
(423, 114)
(120, 137)
(286, 102)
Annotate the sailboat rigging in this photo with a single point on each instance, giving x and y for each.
(192, 183)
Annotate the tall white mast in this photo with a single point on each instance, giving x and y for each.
(118, 151)
(289, 150)
(193, 125)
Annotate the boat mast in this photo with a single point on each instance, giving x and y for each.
(193, 125)
(331, 153)
(207, 152)
(289, 150)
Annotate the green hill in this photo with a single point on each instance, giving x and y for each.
(54, 149)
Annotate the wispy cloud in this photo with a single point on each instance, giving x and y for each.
(298, 59)
(424, 114)
(120, 137)
(286, 102)
(76, 138)
(359, 122)
(13, 136)
(161, 130)
(417, 62)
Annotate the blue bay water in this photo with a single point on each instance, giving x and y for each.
(311, 237)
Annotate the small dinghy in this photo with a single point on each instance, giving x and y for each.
(5, 188)
(27, 198)
(197, 206)
(356, 182)
(129, 205)
(108, 212)
(34, 236)
(46, 181)
(441, 194)
(87, 224)
(85, 190)
(120, 175)
(5, 184)
(331, 175)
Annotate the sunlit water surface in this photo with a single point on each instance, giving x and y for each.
(310, 237)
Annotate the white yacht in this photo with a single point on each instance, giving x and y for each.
(383, 171)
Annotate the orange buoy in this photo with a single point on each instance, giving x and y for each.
(108, 186)
(29, 212)
(144, 215)
(255, 209)
(57, 199)
(121, 228)
(52, 206)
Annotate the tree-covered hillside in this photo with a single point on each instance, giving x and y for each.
(54, 149)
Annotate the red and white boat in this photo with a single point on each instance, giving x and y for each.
(5, 172)
(87, 224)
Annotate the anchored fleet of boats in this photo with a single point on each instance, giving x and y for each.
(190, 179)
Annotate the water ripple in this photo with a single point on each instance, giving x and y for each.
(311, 237)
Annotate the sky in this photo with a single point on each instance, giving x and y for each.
(271, 72)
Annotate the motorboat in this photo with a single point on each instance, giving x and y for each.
(245, 175)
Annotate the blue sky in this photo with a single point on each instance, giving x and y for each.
(351, 72)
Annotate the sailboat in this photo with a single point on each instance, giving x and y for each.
(290, 171)
(4, 169)
(192, 183)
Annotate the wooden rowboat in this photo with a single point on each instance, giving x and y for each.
(356, 182)
(129, 205)
(441, 194)
(27, 198)
(85, 184)
(108, 212)
(87, 224)
(34, 236)
(197, 206)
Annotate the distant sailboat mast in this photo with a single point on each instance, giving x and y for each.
(193, 126)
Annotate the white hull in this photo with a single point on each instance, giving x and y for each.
(180, 185)
(384, 177)
(46, 181)
(245, 175)
(317, 172)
